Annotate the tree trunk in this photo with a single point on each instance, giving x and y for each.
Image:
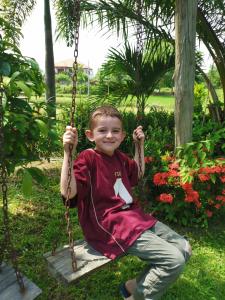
(185, 31)
(49, 62)
(214, 108)
(215, 48)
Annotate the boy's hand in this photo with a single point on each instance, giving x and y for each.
(138, 135)
(70, 137)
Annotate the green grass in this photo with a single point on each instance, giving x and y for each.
(37, 220)
(162, 101)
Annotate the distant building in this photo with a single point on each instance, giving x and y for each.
(67, 67)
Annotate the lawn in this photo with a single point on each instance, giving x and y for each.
(37, 220)
(156, 101)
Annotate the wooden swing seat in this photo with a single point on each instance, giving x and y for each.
(9, 288)
(88, 260)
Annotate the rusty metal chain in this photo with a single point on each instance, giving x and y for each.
(72, 123)
(139, 49)
(139, 27)
(7, 245)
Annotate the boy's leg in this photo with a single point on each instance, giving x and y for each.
(171, 236)
(166, 263)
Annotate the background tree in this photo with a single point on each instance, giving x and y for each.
(49, 62)
(184, 76)
(124, 64)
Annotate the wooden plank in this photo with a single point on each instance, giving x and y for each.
(87, 259)
(9, 288)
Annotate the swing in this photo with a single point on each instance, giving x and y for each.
(85, 259)
(13, 285)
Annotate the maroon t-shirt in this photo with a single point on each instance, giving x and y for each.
(110, 221)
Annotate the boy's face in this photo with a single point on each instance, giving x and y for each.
(107, 134)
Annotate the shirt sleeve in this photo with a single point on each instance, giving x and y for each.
(81, 169)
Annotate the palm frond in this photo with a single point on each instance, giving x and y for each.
(136, 74)
(15, 12)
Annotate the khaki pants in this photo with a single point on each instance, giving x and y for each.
(167, 252)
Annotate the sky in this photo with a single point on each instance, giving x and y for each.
(93, 45)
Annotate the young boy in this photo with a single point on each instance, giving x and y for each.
(111, 222)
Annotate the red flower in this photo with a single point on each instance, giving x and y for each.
(220, 198)
(210, 170)
(217, 206)
(148, 159)
(160, 178)
(166, 198)
(173, 173)
(203, 177)
(209, 213)
(191, 196)
(222, 178)
(174, 165)
(187, 186)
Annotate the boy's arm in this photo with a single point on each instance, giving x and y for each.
(69, 137)
(139, 138)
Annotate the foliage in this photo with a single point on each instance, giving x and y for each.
(167, 80)
(214, 77)
(65, 84)
(63, 78)
(15, 13)
(135, 74)
(200, 97)
(28, 133)
(188, 188)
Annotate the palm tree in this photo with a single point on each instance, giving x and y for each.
(49, 62)
(137, 74)
(184, 76)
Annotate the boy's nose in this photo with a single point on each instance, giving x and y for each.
(109, 134)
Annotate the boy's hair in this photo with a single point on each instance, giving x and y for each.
(105, 110)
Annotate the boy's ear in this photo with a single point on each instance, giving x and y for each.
(89, 135)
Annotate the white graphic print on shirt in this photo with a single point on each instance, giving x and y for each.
(121, 190)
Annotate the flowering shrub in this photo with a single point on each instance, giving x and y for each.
(186, 190)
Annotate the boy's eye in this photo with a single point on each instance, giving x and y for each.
(102, 130)
(116, 130)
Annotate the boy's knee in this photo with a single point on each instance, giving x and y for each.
(177, 262)
(188, 250)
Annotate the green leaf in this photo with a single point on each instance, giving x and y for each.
(14, 75)
(5, 68)
(27, 183)
(27, 91)
(213, 178)
(37, 174)
(42, 126)
(202, 155)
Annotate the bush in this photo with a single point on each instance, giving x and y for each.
(189, 188)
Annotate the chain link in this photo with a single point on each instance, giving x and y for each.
(139, 48)
(139, 27)
(7, 244)
(72, 123)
